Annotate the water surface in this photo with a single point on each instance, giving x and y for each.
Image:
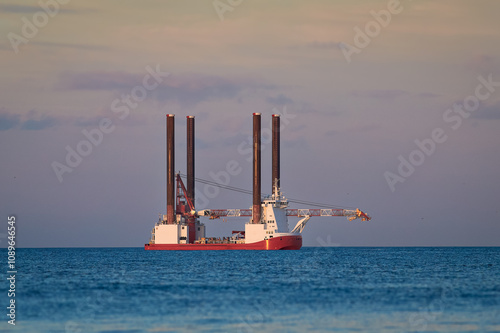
(311, 290)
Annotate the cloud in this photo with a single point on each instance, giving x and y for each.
(323, 45)
(331, 133)
(71, 45)
(481, 63)
(201, 144)
(98, 81)
(489, 112)
(300, 143)
(190, 89)
(87, 121)
(280, 100)
(8, 121)
(12, 8)
(380, 93)
(185, 89)
(299, 128)
(32, 121)
(307, 108)
(39, 124)
(427, 95)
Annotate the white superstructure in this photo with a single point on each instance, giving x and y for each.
(274, 221)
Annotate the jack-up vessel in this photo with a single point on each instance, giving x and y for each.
(181, 229)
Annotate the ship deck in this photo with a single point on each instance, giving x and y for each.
(292, 242)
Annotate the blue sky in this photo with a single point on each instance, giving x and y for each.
(351, 119)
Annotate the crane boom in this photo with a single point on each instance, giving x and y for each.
(349, 213)
(217, 213)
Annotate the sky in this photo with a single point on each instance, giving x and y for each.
(391, 107)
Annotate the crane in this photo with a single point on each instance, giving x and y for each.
(306, 214)
(351, 214)
(278, 202)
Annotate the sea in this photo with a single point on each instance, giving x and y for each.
(315, 289)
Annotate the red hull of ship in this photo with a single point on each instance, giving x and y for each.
(277, 243)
